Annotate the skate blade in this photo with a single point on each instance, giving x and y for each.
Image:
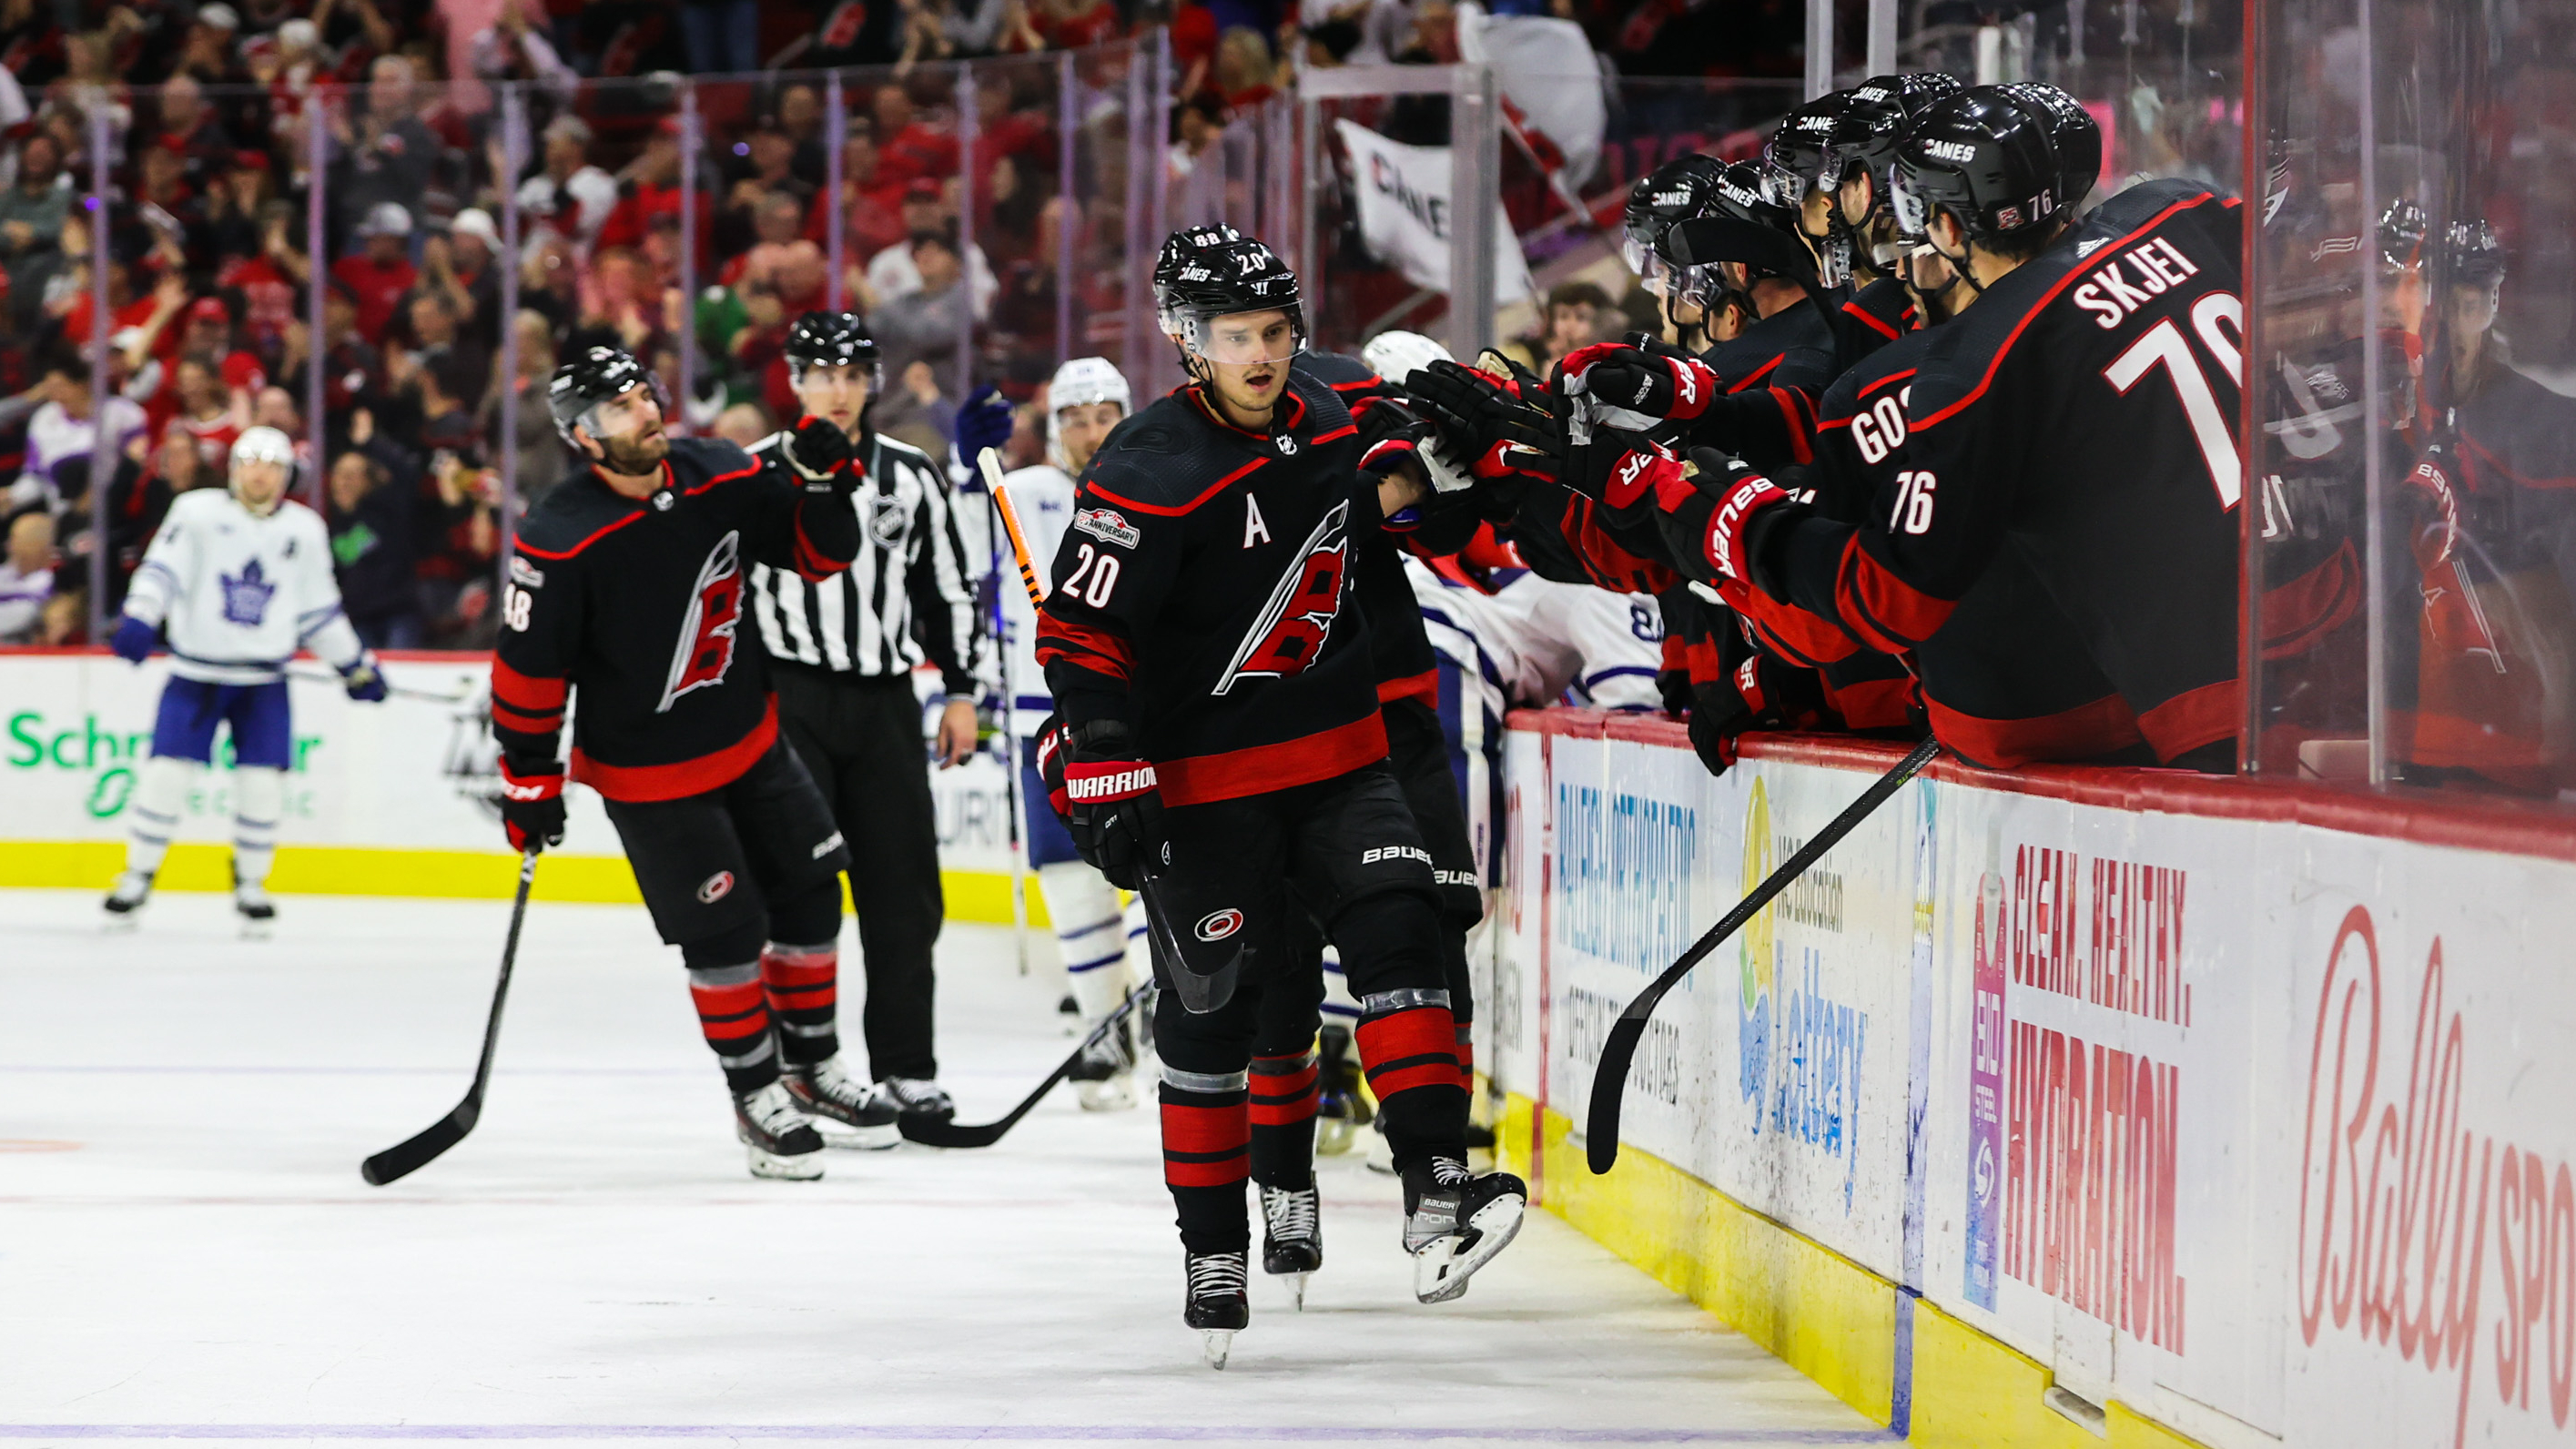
(1441, 1268)
(843, 1137)
(1295, 1283)
(1215, 1344)
(803, 1167)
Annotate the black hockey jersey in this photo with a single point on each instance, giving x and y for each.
(1399, 648)
(638, 606)
(2081, 414)
(1203, 594)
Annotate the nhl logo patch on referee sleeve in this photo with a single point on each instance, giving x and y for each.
(1108, 525)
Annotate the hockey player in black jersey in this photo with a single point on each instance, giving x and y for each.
(2076, 413)
(626, 590)
(1223, 747)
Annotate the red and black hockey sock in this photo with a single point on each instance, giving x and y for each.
(803, 987)
(1467, 1056)
(733, 1011)
(1283, 1120)
(1207, 1144)
(1409, 1049)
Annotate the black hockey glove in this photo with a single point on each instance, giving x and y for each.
(1507, 434)
(532, 807)
(1628, 387)
(1111, 806)
(820, 453)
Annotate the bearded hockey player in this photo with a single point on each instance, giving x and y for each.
(238, 579)
(1223, 750)
(626, 591)
(1087, 397)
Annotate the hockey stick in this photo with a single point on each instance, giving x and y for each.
(397, 691)
(409, 1156)
(1201, 992)
(951, 1134)
(1610, 1081)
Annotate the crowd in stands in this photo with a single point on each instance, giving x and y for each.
(210, 116)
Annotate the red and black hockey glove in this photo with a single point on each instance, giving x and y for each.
(1706, 526)
(1504, 433)
(532, 807)
(1111, 806)
(1629, 387)
(820, 453)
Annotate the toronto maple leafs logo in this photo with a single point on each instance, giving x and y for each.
(246, 595)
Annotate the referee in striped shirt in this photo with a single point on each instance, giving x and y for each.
(844, 652)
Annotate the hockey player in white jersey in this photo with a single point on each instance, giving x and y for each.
(1086, 399)
(237, 580)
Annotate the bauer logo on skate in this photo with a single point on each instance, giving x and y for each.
(1219, 924)
(1108, 525)
(1299, 616)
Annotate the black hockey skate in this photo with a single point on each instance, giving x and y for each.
(777, 1134)
(1100, 1078)
(1455, 1223)
(859, 1115)
(1340, 1107)
(1292, 1243)
(125, 902)
(1217, 1306)
(250, 902)
(920, 1097)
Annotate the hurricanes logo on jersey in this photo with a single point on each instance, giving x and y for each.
(707, 630)
(1299, 616)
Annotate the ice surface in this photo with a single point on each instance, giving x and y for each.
(186, 1250)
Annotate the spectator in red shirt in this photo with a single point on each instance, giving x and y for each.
(652, 189)
(911, 146)
(204, 416)
(378, 276)
(269, 278)
(872, 190)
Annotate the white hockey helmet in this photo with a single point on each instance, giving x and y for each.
(1396, 356)
(262, 445)
(1078, 383)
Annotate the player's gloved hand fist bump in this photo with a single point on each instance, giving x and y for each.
(1498, 428)
(532, 807)
(820, 453)
(133, 639)
(983, 421)
(1112, 808)
(1739, 496)
(1629, 387)
(363, 680)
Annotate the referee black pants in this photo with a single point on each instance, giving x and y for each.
(860, 737)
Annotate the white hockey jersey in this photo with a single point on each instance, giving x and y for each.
(238, 594)
(1536, 642)
(1043, 497)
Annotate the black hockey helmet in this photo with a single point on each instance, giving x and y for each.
(598, 375)
(834, 339)
(1675, 191)
(1879, 113)
(1179, 247)
(2402, 229)
(1797, 157)
(2072, 131)
(1982, 158)
(2475, 253)
(1240, 276)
